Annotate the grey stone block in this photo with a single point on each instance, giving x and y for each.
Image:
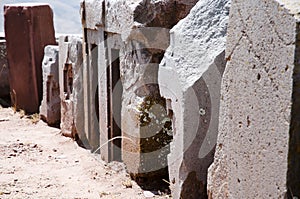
(71, 88)
(256, 154)
(190, 79)
(143, 27)
(124, 48)
(50, 105)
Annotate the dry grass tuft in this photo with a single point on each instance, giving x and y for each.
(34, 118)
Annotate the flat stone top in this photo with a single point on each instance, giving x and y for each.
(292, 5)
(31, 4)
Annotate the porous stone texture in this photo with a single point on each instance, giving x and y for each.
(257, 153)
(143, 27)
(129, 41)
(4, 72)
(50, 106)
(71, 88)
(28, 29)
(124, 16)
(190, 79)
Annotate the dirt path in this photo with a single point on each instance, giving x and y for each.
(37, 162)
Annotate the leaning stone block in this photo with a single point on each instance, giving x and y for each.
(50, 106)
(190, 79)
(257, 153)
(71, 91)
(28, 29)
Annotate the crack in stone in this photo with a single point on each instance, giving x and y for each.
(277, 33)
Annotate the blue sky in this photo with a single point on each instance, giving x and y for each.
(66, 14)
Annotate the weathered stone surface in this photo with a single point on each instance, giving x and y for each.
(123, 16)
(143, 27)
(93, 49)
(125, 49)
(93, 15)
(190, 79)
(28, 29)
(71, 88)
(4, 72)
(50, 106)
(257, 153)
(90, 89)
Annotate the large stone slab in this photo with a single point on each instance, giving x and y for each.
(50, 106)
(28, 29)
(4, 72)
(257, 153)
(190, 79)
(71, 88)
(146, 126)
(92, 22)
(124, 49)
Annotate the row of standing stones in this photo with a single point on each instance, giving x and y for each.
(203, 93)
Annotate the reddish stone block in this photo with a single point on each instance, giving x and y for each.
(28, 29)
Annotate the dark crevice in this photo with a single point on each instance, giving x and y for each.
(293, 175)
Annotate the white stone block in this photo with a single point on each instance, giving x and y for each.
(50, 105)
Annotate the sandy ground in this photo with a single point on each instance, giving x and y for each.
(37, 162)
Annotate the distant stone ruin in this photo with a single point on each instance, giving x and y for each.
(200, 95)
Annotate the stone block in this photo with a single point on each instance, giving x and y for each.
(28, 29)
(93, 15)
(190, 79)
(4, 71)
(146, 126)
(257, 153)
(123, 16)
(127, 45)
(71, 88)
(50, 106)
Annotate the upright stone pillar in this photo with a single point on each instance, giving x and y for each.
(190, 79)
(257, 153)
(50, 106)
(71, 88)
(28, 29)
(92, 15)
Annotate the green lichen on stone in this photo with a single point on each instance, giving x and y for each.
(156, 125)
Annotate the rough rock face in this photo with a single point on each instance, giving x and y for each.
(257, 153)
(50, 106)
(123, 16)
(4, 72)
(71, 91)
(144, 29)
(128, 48)
(190, 79)
(28, 29)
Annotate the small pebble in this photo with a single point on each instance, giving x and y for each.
(148, 194)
